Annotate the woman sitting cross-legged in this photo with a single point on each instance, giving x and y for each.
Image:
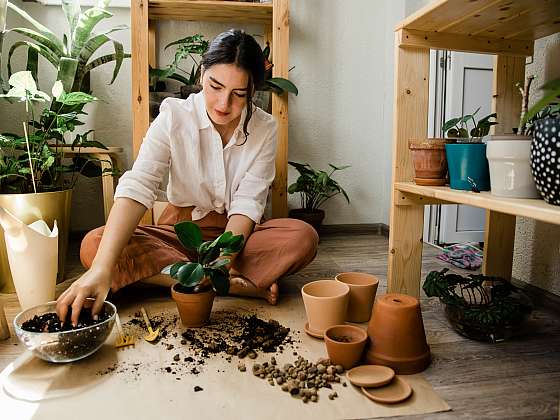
(219, 153)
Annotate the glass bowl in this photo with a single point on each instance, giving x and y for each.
(64, 346)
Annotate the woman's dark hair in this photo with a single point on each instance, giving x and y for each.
(236, 47)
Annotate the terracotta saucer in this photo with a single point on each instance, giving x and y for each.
(312, 333)
(370, 376)
(398, 390)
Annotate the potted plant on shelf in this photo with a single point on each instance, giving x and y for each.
(315, 188)
(187, 53)
(204, 276)
(486, 313)
(466, 152)
(36, 180)
(543, 121)
(429, 160)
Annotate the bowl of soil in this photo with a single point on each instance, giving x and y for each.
(41, 331)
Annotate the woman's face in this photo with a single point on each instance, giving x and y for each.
(225, 93)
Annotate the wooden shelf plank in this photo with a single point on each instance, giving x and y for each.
(532, 208)
(211, 11)
(522, 20)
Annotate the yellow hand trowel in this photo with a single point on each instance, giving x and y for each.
(152, 335)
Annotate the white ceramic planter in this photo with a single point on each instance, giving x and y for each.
(510, 167)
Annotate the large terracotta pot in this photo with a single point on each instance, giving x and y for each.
(28, 208)
(194, 308)
(325, 303)
(363, 288)
(345, 345)
(396, 335)
(430, 163)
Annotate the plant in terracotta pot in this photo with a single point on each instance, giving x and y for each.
(542, 120)
(315, 188)
(475, 310)
(205, 275)
(466, 152)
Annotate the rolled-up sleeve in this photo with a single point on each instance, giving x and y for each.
(250, 197)
(142, 181)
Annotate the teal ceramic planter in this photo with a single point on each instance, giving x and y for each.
(467, 160)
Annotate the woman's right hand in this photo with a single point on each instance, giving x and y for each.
(94, 283)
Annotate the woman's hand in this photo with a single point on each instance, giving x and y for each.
(95, 283)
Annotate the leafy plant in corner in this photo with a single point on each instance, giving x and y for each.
(316, 186)
(458, 127)
(208, 260)
(476, 310)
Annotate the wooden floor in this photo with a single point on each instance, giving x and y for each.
(519, 379)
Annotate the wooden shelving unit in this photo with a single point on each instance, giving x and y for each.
(507, 29)
(275, 18)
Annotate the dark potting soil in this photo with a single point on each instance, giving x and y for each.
(50, 322)
(342, 338)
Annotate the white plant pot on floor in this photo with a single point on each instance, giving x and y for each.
(510, 167)
(33, 257)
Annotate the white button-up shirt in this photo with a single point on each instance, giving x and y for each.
(183, 143)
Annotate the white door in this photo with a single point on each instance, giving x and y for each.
(462, 83)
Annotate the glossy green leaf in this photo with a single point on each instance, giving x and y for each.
(190, 274)
(189, 234)
(281, 85)
(220, 282)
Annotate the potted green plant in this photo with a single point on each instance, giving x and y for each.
(543, 122)
(315, 188)
(205, 275)
(486, 313)
(466, 152)
(35, 178)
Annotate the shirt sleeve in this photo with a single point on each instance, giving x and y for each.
(142, 181)
(250, 197)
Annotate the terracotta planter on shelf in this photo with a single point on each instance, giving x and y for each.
(194, 308)
(314, 218)
(325, 303)
(396, 335)
(430, 162)
(363, 288)
(345, 345)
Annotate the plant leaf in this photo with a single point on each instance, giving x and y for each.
(220, 282)
(189, 234)
(282, 85)
(84, 26)
(190, 274)
(95, 42)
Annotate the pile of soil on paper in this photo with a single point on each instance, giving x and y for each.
(50, 322)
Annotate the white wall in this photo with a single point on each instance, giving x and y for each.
(343, 57)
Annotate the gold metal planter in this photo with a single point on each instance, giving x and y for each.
(49, 206)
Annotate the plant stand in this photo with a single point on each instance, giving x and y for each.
(484, 26)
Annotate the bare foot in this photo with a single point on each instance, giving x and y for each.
(240, 286)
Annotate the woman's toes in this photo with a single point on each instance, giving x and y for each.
(273, 294)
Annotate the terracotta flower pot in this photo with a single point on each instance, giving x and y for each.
(194, 308)
(363, 288)
(430, 162)
(345, 344)
(396, 335)
(325, 303)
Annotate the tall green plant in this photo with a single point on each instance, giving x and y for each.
(73, 55)
(316, 187)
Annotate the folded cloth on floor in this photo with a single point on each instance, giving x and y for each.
(467, 256)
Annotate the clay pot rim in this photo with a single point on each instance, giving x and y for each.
(346, 327)
(325, 297)
(176, 292)
(375, 280)
(427, 143)
(510, 137)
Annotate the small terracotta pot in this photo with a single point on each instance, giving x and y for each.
(363, 288)
(325, 303)
(345, 345)
(194, 308)
(396, 335)
(430, 162)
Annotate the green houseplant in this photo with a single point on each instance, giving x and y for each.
(205, 275)
(73, 55)
(466, 152)
(315, 188)
(486, 313)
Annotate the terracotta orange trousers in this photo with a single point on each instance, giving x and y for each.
(276, 248)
